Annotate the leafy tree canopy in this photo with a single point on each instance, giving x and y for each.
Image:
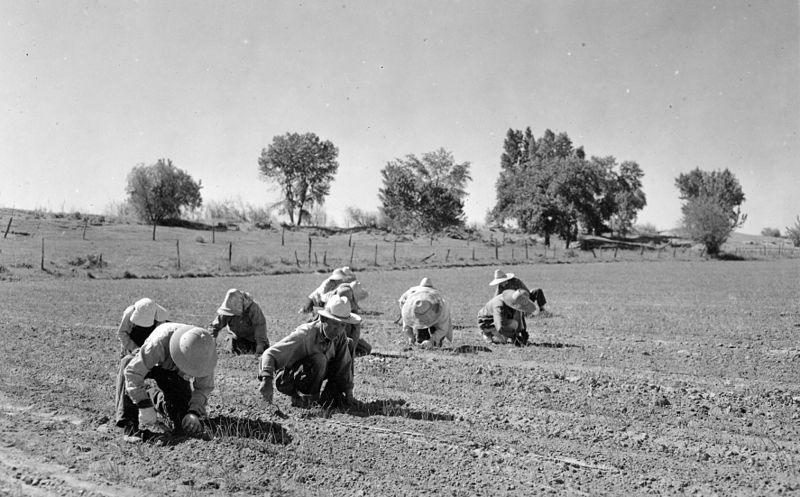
(720, 186)
(159, 191)
(424, 193)
(303, 166)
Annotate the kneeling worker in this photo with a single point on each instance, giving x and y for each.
(172, 355)
(312, 353)
(503, 318)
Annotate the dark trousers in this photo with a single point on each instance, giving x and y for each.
(236, 345)
(304, 379)
(537, 296)
(170, 396)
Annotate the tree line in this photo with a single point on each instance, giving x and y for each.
(546, 186)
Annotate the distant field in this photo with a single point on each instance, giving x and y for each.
(44, 246)
(675, 377)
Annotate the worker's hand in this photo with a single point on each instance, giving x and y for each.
(148, 419)
(191, 424)
(260, 348)
(265, 389)
(426, 344)
(307, 307)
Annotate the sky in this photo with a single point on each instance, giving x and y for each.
(89, 90)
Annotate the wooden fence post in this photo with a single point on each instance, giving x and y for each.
(350, 240)
(8, 227)
(447, 256)
(496, 255)
(309, 250)
(394, 252)
(325, 258)
(512, 253)
(283, 233)
(473, 254)
(178, 249)
(526, 249)
(296, 259)
(85, 222)
(352, 251)
(213, 235)
(230, 253)
(375, 262)
(42, 264)
(316, 261)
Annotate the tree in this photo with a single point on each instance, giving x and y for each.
(424, 193)
(708, 196)
(303, 166)
(793, 233)
(159, 191)
(720, 186)
(548, 186)
(707, 222)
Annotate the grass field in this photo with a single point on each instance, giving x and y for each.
(662, 376)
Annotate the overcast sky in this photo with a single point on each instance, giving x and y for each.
(88, 90)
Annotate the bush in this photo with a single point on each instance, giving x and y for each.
(360, 218)
(793, 233)
(773, 232)
(646, 229)
(707, 222)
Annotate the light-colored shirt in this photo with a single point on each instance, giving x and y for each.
(308, 339)
(155, 352)
(319, 296)
(500, 313)
(442, 328)
(250, 326)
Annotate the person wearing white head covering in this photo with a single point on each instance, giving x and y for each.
(508, 281)
(247, 326)
(313, 353)
(172, 355)
(503, 317)
(424, 283)
(426, 317)
(138, 321)
(317, 297)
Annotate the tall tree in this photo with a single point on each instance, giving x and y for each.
(303, 166)
(713, 206)
(159, 191)
(424, 193)
(720, 186)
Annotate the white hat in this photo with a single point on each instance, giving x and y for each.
(499, 277)
(337, 274)
(426, 282)
(146, 312)
(234, 303)
(193, 350)
(519, 300)
(423, 308)
(348, 273)
(338, 309)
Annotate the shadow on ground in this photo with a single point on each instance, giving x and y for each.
(554, 345)
(232, 426)
(397, 407)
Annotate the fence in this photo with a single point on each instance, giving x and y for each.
(70, 246)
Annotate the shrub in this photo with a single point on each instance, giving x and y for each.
(360, 218)
(793, 233)
(646, 229)
(773, 232)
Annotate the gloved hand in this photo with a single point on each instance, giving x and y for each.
(265, 389)
(191, 424)
(148, 419)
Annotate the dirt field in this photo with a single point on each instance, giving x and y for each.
(658, 377)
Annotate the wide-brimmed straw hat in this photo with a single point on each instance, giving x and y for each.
(234, 303)
(499, 277)
(337, 274)
(519, 300)
(426, 282)
(338, 309)
(146, 312)
(423, 308)
(193, 350)
(348, 273)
